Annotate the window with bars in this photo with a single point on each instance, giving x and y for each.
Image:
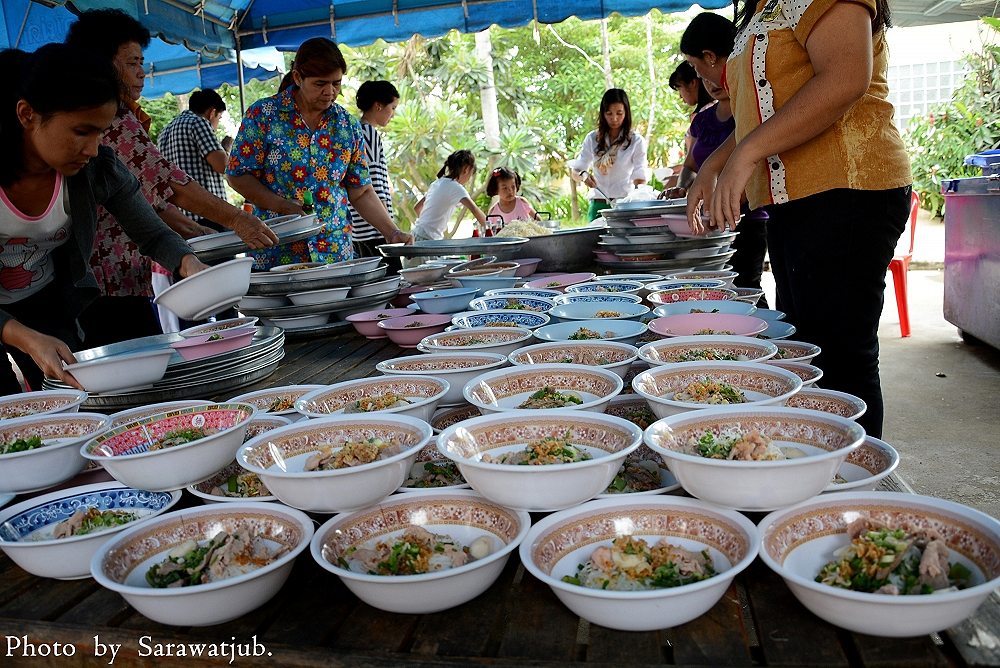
(915, 88)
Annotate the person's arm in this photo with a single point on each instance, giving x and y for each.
(419, 206)
(474, 209)
(217, 160)
(531, 209)
(193, 197)
(181, 224)
(703, 186)
(263, 197)
(840, 52)
(46, 351)
(579, 165)
(640, 162)
(365, 201)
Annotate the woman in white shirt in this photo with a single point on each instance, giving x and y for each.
(435, 208)
(614, 153)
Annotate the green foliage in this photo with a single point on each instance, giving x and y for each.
(162, 111)
(969, 123)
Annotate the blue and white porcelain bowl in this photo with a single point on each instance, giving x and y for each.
(614, 287)
(705, 306)
(769, 314)
(27, 529)
(704, 284)
(523, 292)
(597, 297)
(777, 329)
(500, 318)
(597, 310)
(623, 331)
(513, 302)
(641, 278)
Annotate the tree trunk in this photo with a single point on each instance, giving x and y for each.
(488, 91)
(609, 80)
(574, 206)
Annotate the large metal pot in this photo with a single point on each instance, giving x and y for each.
(565, 250)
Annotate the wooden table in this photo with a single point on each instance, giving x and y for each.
(316, 621)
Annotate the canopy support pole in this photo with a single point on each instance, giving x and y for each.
(239, 74)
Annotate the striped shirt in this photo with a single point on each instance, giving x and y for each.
(862, 150)
(186, 141)
(380, 181)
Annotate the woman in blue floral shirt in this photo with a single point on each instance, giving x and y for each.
(300, 141)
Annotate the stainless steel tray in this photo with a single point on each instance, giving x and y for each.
(679, 244)
(240, 247)
(286, 287)
(341, 305)
(262, 336)
(328, 329)
(498, 246)
(642, 205)
(675, 265)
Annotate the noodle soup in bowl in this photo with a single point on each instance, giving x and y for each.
(617, 357)
(569, 387)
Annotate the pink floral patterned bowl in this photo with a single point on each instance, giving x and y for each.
(457, 368)
(707, 348)
(414, 395)
(691, 386)
(276, 534)
(829, 401)
(795, 351)
(44, 450)
(276, 400)
(499, 340)
(807, 372)
(298, 463)
(172, 450)
(557, 545)
(490, 531)
(786, 455)
(582, 454)
(672, 295)
(46, 402)
(866, 467)
(797, 542)
(570, 387)
(610, 355)
(713, 324)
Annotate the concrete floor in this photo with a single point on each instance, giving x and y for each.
(942, 411)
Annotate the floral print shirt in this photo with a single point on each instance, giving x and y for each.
(121, 270)
(275, 146)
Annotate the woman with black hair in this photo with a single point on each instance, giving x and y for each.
(815, 144)
(614, 150)
(688, 85)
(123, 272)
(54, 176)
(377, 101)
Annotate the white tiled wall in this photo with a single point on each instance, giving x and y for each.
(916, 87)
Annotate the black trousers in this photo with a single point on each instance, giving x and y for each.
(751, 247)
(829, 254)
(112, 319)
(46, 312)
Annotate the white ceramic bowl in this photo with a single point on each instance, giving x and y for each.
(622, 331)
(424, 274)
(829, 401)
(204, 490)
(610, 355)
(826, 439)
(680, 348)
(121, 563)
(44, 402)
(796, 542)
(499, 340)
(59, 457)
(445, 417)
(133, 414)
(423, 392)
(375, 287)
(209, 291)
(279, 456)
(761, 385)
(589, 311)
(328, 296)
(597, 297)
(301, 321)
(807, 372)
(124, 451)
(522, 292)
(558, 543)
(795, 351)
(27, 528)
(500, 318)
(727, 277)
(274, 399)
(606, 285)
(866, 467)
(226, 325)
(512, 302)
(463, 515)
(457, 368)
(121, 372)
(606, 438)
(506, 389)
(253, 302)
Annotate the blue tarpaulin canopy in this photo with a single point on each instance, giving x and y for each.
(287, 23)
(170, 68)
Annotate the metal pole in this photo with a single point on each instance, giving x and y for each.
(239, 70)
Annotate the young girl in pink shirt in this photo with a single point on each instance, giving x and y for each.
(504, 184)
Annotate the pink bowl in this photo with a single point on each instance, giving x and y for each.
(527, 266)
(690, 324)
(197, 347)
(403, 298)
(560, 281)
(367, 323)
(678, 223)
(689, 294)
(407, 331)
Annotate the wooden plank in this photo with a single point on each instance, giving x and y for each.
(874, 651)
(717, 638)
(47, 599)
(102, 608)
(317, 604)
(788, 633)
(538, 625)
(623, 647)
(13, 581)
(472, 629)
(373, 630)
(977, 639)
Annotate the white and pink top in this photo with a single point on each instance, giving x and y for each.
(27, 242)
(521, 211)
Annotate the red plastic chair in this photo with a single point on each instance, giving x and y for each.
(899, 265)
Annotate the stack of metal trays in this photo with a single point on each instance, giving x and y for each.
(288, 229)
(501, 247)
(195, 379)
(338, 310)
(306, 284)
